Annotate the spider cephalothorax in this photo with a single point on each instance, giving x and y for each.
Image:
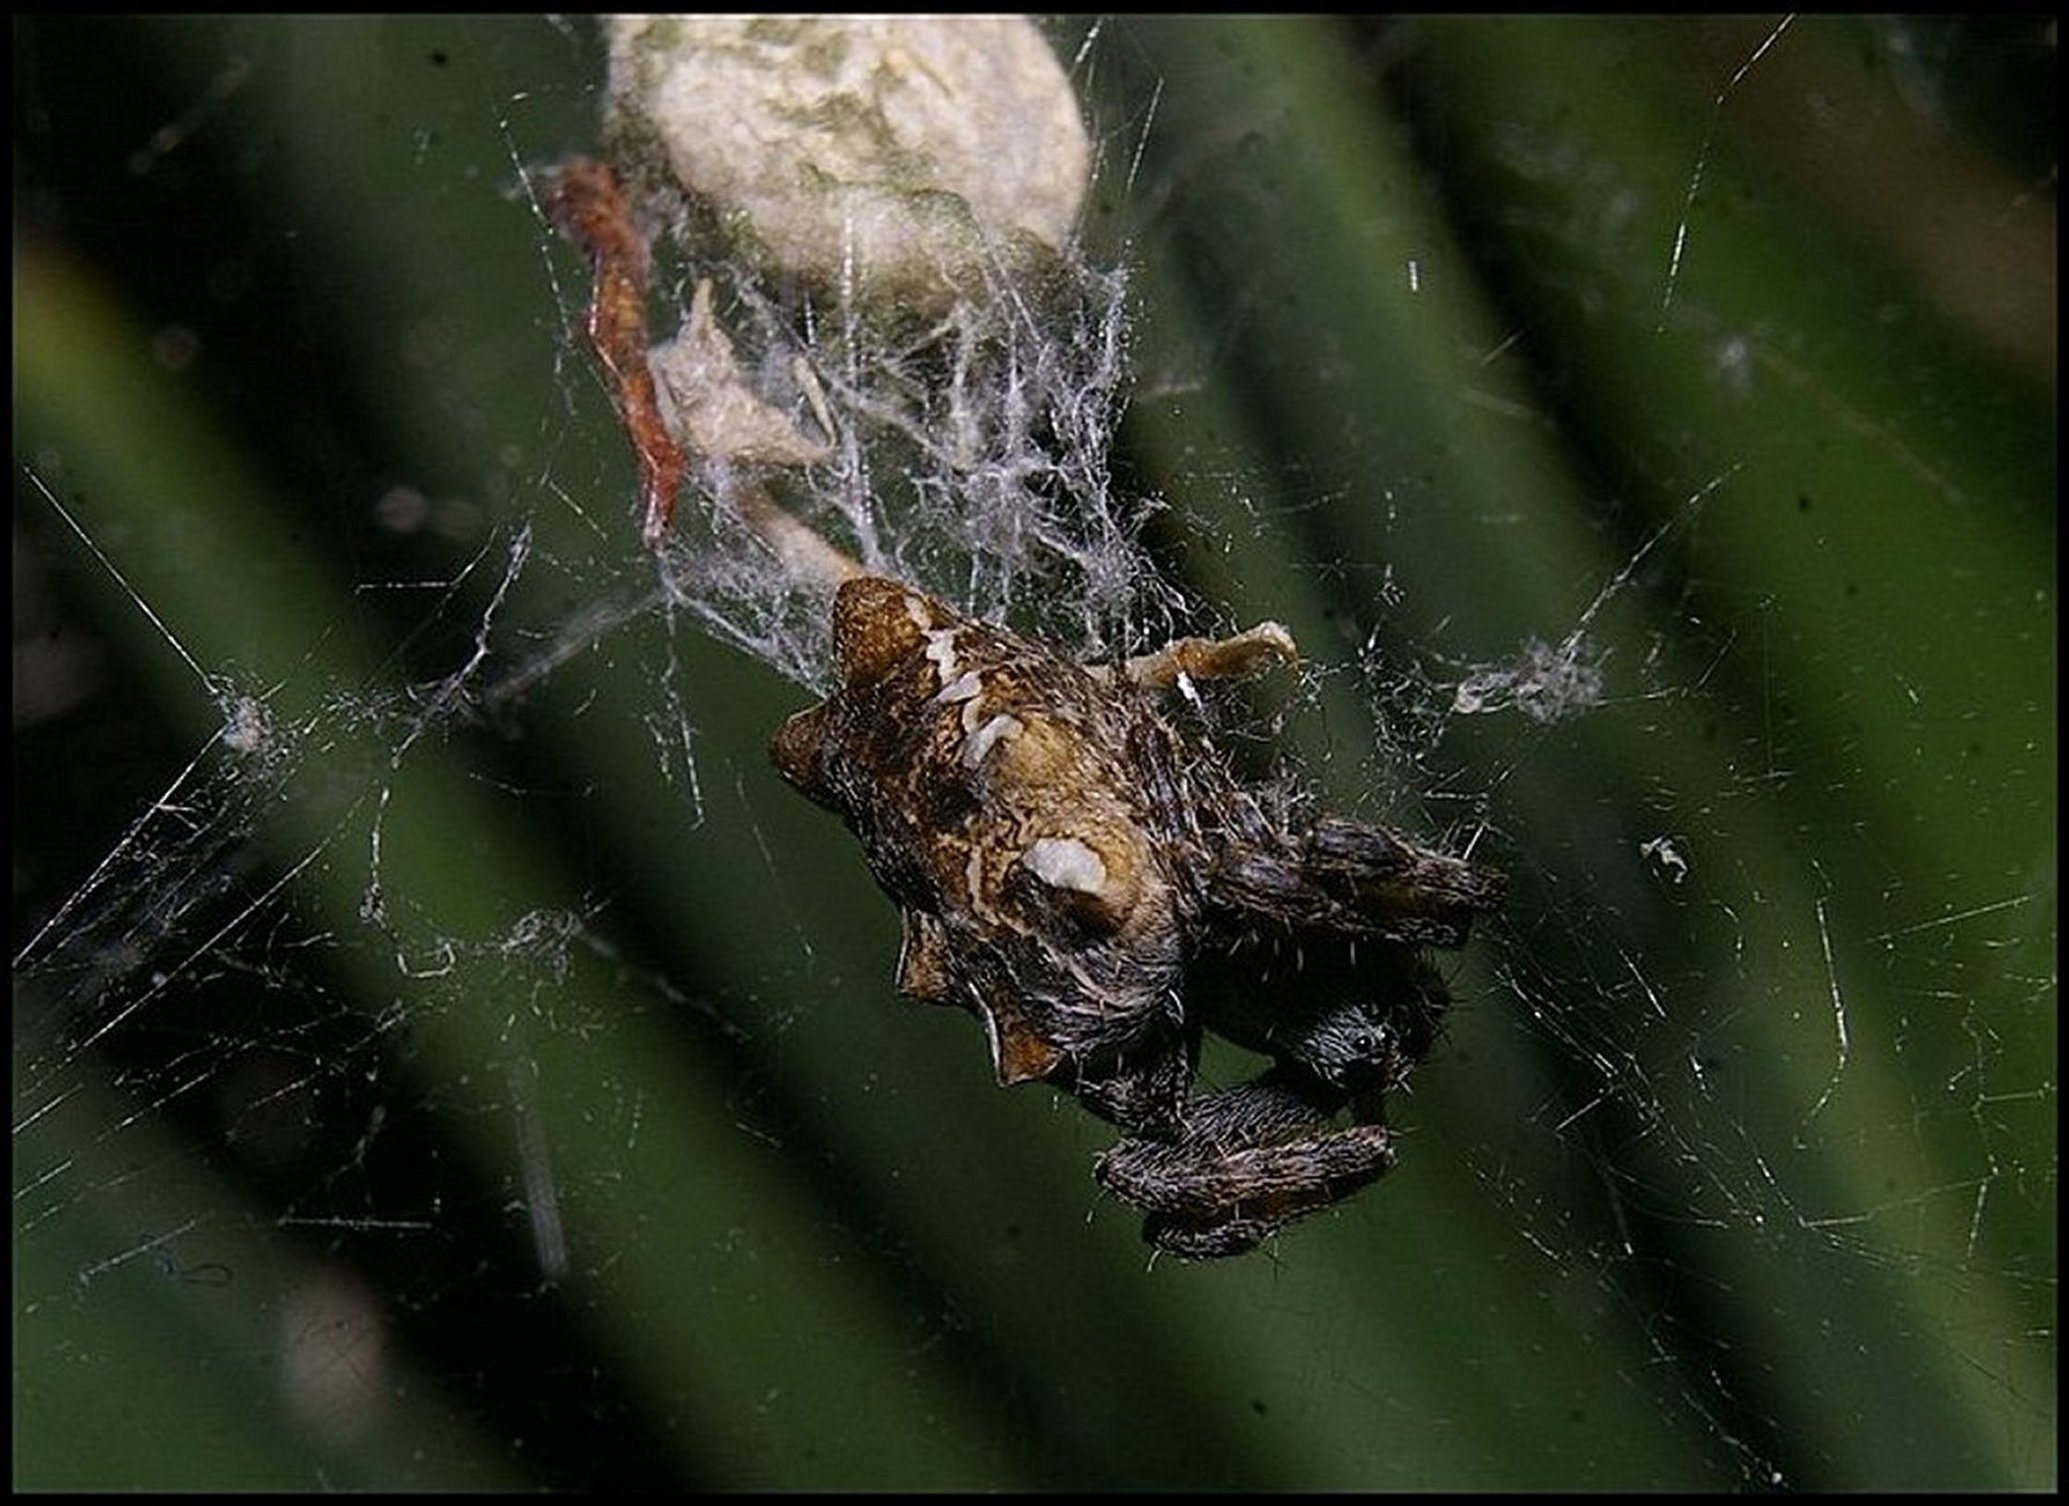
(1092, 882)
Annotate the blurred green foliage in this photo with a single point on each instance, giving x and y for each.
(427, 1099)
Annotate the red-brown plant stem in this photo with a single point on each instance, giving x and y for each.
(587, 203)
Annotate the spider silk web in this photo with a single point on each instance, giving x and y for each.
(446, 1053)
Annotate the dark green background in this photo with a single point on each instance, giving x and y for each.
(1741, 1177)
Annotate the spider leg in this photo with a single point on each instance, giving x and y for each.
(1359, 878)
(1209, 658)
(1382, 872)
(1246, 1163)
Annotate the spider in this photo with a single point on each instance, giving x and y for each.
(1090, 880)
(1082, 873)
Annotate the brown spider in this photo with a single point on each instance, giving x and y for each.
(1091, 881)
(1086, 876)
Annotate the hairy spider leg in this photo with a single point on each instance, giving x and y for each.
(1248, 1161)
